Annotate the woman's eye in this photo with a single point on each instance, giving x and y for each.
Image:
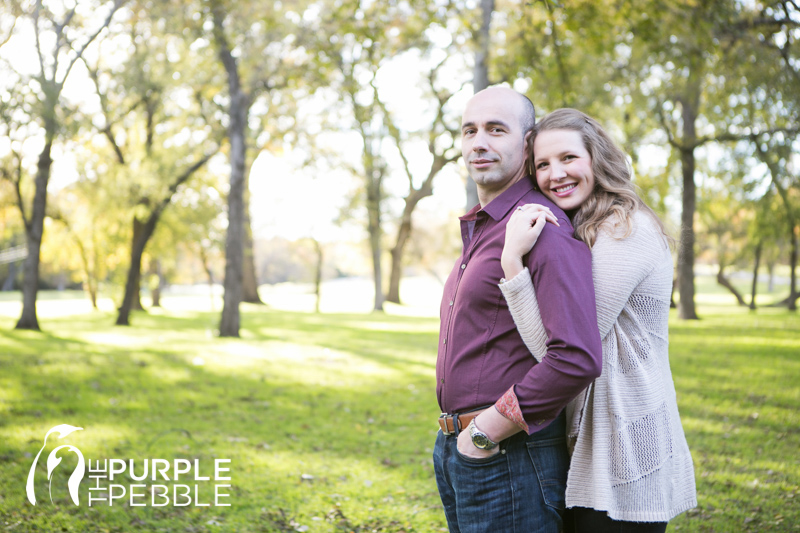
(541, 166)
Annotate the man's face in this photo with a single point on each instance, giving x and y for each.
(492, 140)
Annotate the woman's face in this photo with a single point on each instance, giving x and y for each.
(563, 168)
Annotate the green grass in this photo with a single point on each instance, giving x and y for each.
(329, 419)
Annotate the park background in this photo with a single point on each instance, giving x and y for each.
(225, 225)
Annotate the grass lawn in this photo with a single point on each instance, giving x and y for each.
(329, 419)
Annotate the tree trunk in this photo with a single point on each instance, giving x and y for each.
(770, 276)
(403, 235)
(234, 241)
(318, 275)
(249, 279)
(755, 275)
(686, 307)
(480, 76)
(792, 303)
(141, 234)
(725, 282)
(35, 230)
(136, 302)
(672, 304)
(91, 288)
(155, 292)
(374, 227)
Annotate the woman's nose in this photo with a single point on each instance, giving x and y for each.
(557, 171)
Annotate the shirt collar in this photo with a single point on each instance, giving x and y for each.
(500, 206)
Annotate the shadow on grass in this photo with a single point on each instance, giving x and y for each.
(349, 405)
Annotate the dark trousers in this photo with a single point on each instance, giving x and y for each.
(585, 520)
(519, 490)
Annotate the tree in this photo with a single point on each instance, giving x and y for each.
(61, 39)
(252, 44)
(776, 153)
(238, 109)
(700, 72)
(441, 142)
(159, 138)
(354, 41)
(726, 219)
(684, 67)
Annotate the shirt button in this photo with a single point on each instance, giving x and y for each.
(442, 380)
(451, 303)
(444, 341)
(463, 266)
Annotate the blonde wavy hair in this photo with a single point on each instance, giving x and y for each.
(614, 197)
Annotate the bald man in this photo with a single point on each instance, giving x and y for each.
(500, 456)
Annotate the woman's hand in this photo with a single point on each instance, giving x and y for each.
(522, 232)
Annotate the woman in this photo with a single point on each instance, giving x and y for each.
(631, 469)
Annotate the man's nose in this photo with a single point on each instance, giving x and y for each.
(480, 142)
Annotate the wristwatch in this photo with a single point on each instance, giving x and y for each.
(479, 438)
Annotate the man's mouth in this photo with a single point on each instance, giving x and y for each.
(482, 163)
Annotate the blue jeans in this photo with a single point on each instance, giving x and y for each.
(519, 490)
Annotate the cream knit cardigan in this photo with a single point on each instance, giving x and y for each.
(630, 457)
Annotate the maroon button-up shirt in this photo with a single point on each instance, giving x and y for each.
(481, 354)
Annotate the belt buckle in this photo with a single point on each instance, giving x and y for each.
(445, 416)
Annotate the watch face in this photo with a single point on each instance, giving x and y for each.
(480, 440)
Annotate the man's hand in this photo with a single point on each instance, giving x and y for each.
(522, 232)
(466, 448)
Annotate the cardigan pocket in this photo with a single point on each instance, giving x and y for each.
(640, 446)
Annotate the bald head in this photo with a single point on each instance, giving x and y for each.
(526, 111)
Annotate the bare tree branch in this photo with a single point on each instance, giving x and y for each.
(10, 33)
(15, 178)
(663, 121)
(60, 29)
(35, 16)
(394, 131)
(79, 54)
(106, 129)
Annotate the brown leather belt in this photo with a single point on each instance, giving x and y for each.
(446, 421)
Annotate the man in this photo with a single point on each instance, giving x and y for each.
(501, 459)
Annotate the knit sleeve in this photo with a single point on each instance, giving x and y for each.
(620, 264)
(521, 299)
